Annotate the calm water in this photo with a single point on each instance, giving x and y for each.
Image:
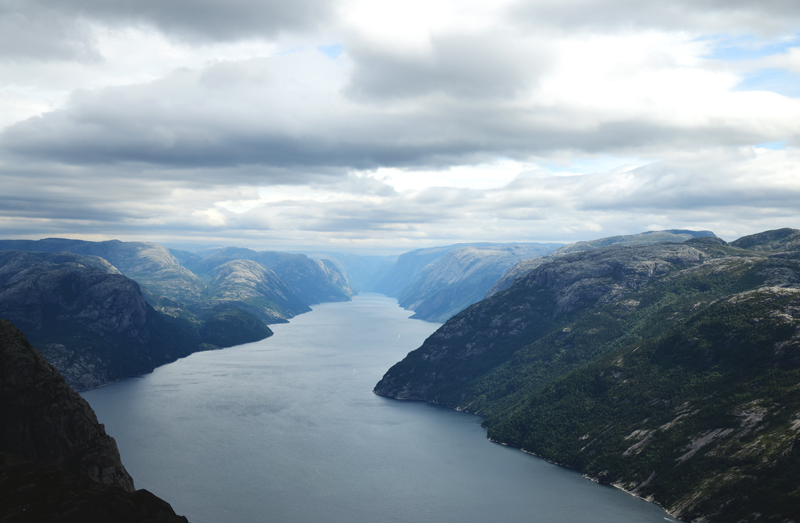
(288, 430)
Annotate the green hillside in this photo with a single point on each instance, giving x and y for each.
(670, 370)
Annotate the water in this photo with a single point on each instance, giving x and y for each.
(288, 430)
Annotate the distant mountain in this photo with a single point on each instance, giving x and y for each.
(92, 322)
(259, 289)
(669, 370)
(150, 264)
(438, 282)
(56, 461)
(363, 272)
(645, 238)
(311, 280)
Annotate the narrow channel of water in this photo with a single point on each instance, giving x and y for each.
(288, 430)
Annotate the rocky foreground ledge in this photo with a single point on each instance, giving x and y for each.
(56, 461)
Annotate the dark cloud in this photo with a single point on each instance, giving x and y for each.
(463, 66)
(260, 121)
(44, 29)
(768, 17)
(208, 19)
(29, 32)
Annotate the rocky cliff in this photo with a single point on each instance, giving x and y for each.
(263, 291)
(56, 460)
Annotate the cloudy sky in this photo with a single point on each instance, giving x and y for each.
(381, 126)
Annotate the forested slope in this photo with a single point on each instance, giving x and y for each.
(670, 370)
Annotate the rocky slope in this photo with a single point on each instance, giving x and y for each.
(669, 370)
(439, 282)
(90, 321)
(56, 461)
(645, 238)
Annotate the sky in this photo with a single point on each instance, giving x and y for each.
(376, 126)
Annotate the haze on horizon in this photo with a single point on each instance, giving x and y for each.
(383, 126)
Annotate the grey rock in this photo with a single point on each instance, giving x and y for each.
(45, 420)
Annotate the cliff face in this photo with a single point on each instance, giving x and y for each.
(45, 420)
(668, 370)
(56, 461)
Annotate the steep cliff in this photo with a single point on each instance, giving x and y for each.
(44, 419)
(56, 460)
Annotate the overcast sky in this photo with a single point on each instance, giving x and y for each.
(382, 126)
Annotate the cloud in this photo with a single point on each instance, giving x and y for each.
(768, 17)
(294, 117)
(35, 33)
(40, 29)
(463, 66)
(396, 124)
(685, 191)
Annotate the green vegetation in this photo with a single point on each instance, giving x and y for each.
(670, 371)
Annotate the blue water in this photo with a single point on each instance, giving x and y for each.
(288, 430)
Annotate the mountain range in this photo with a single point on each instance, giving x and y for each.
(101, 311)
(665, 363)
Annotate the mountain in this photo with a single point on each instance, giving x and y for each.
(255, 288)
(311, 280)
(150, 264)
(669, 370)
(56, 461)
(645, 238)
(438, 282)
(90, 321)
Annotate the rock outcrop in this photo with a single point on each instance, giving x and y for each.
(56, 461)
(45, 420)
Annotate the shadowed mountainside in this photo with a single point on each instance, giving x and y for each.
(92, 322)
